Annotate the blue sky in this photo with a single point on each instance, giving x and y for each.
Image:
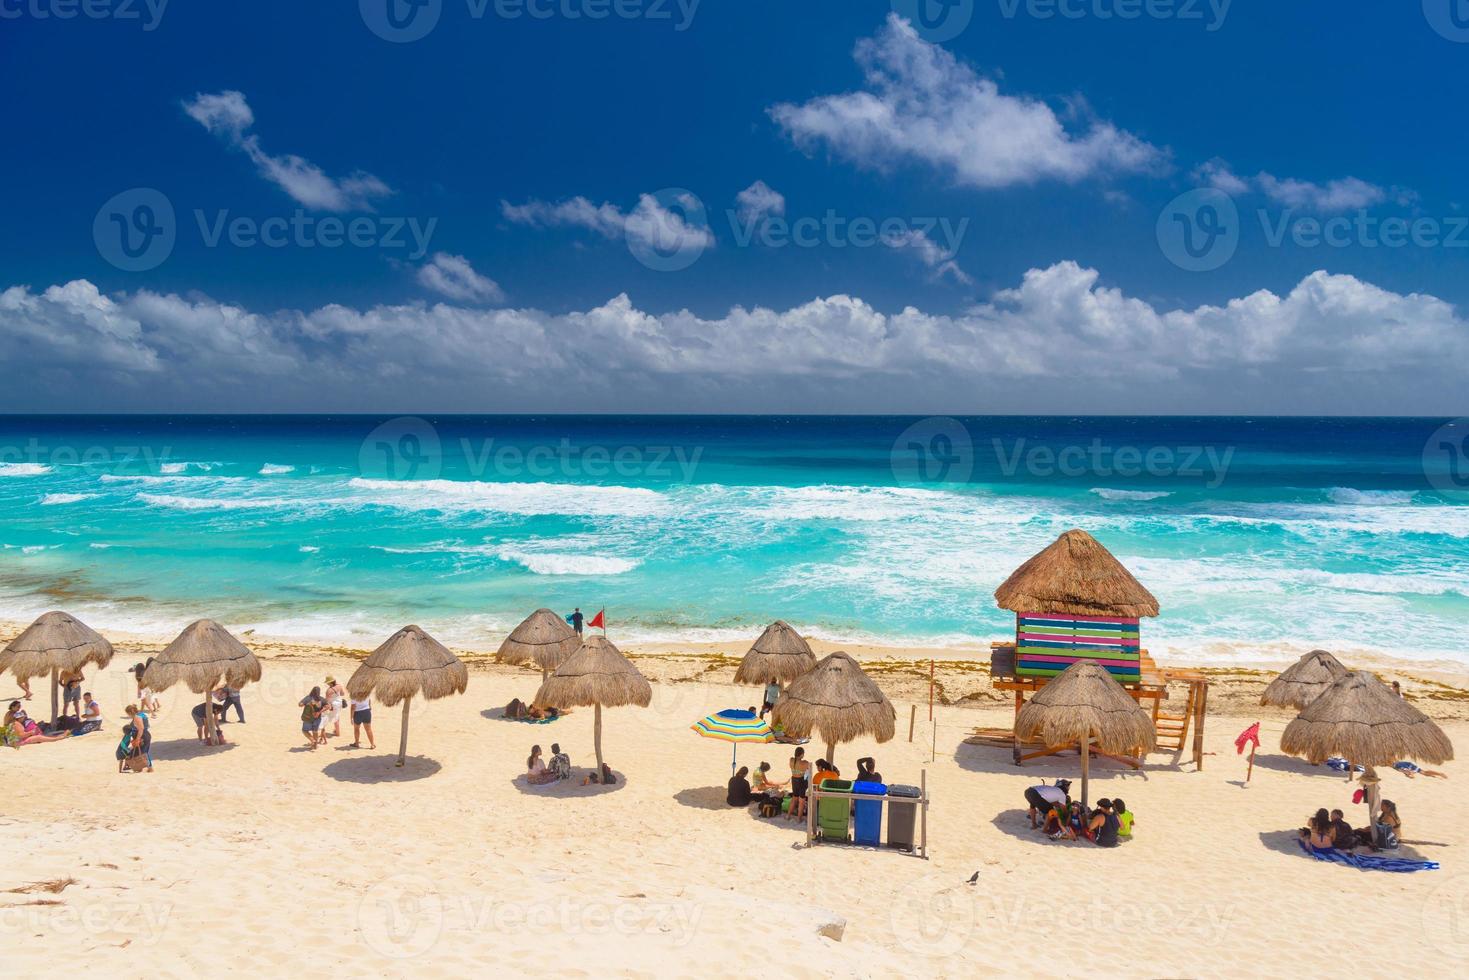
(502, 172)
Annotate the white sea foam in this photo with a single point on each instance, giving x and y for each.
(1350, 495)
(546, 563)
(24, 469)
(1109, 494)
(276, 469)
(175, 502)
(53, 499)
(526, 499)
(173, 467)
(308, 549)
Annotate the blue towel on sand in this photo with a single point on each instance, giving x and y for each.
(1367, 862)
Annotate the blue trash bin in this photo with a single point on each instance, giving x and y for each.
(867, 813)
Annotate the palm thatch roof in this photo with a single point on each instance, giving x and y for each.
(55, 641)
(544, 639)
(409, 663)
(597, 673)
(1360, 719)
(780, 652)
(204, 656)
(838, 700)
(1084, 700)
(1075, 575)
(1304, 681)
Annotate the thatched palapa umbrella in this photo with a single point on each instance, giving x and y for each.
(780, 653)
(54, 642)
(544, 639)
(598, 675)
(204, 656)
(1085, 704)
(1304, 681)
(409, 662)
(1075, 574)
(1360, 719)
(837, 700)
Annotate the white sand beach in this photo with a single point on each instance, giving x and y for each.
(262, 856)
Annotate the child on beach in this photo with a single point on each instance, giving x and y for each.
(1124, 818)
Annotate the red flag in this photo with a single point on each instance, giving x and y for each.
(1251, 734)
(597, 621)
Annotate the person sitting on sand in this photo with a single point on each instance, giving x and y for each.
(1057, 823)
(1343, 837)
(1042, 798)
(312, 706)
(535, 768)
(23, 731)
(1410, 770)
(1104, 824)
(91, 716)
(1077, 821)
(739, 788)
(1386, 829)
(867, 770)
(762, 783)
(1318, 831)
(1124, 818)
(800, 777)
(362, 719)
(824, 771)
(560, 762)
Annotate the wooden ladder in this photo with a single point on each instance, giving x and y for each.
(1173, 729)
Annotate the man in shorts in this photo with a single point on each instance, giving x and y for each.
(1041, 799)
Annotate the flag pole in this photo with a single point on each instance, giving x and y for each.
(1251, 769)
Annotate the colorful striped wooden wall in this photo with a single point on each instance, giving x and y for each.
(1048, 643)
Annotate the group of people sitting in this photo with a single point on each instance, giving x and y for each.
(1326, 830)
(538, 771)
(18, 728)
(1058, 816)
(772, 794)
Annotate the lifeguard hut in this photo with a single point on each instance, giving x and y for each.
(1075, 601)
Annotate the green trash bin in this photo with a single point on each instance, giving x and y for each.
(834, 813)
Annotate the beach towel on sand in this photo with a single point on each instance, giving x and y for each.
(1367, 862)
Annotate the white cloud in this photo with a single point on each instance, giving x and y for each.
(453, 276)
(650, 223)
(1344, 194)
(1332, 343)
(757, 202)
(921, 104)
(1217, 174)
(227, 115)
(940, 260)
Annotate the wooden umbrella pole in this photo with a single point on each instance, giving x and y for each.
(208, 716)
(831, 752)
(54, 681)
(597, 739)
(403, 737)
(1086, 743)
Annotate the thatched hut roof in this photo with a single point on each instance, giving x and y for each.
(544, 639)
(204, 656)
(780, 652)
(597, 673)
(1075, 575)
(1304, 681)
(409, 663)
(1360, 719)
(838, 700)
(56, 641)
(1084, 700)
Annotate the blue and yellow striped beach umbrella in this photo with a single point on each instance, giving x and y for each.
(735, 725)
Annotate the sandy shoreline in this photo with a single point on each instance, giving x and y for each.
(262, 856)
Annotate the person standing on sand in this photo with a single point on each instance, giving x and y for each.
(800, 774)
(232, 700)
(1041, 798)
(772, 695)
(336, 700)
(576, 620)
(25, 687)
(362, 718)
(311, 708)
(71, 692)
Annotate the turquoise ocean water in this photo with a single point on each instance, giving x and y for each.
(1257, 535)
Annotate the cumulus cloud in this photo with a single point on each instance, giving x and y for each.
(1217, 174)
(650, 223)
(922, 104)
(454, 277)
(1329, 344)
(930, 253)
(227, 115)
(757, 202)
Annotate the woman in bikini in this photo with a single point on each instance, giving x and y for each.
(800, 777)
